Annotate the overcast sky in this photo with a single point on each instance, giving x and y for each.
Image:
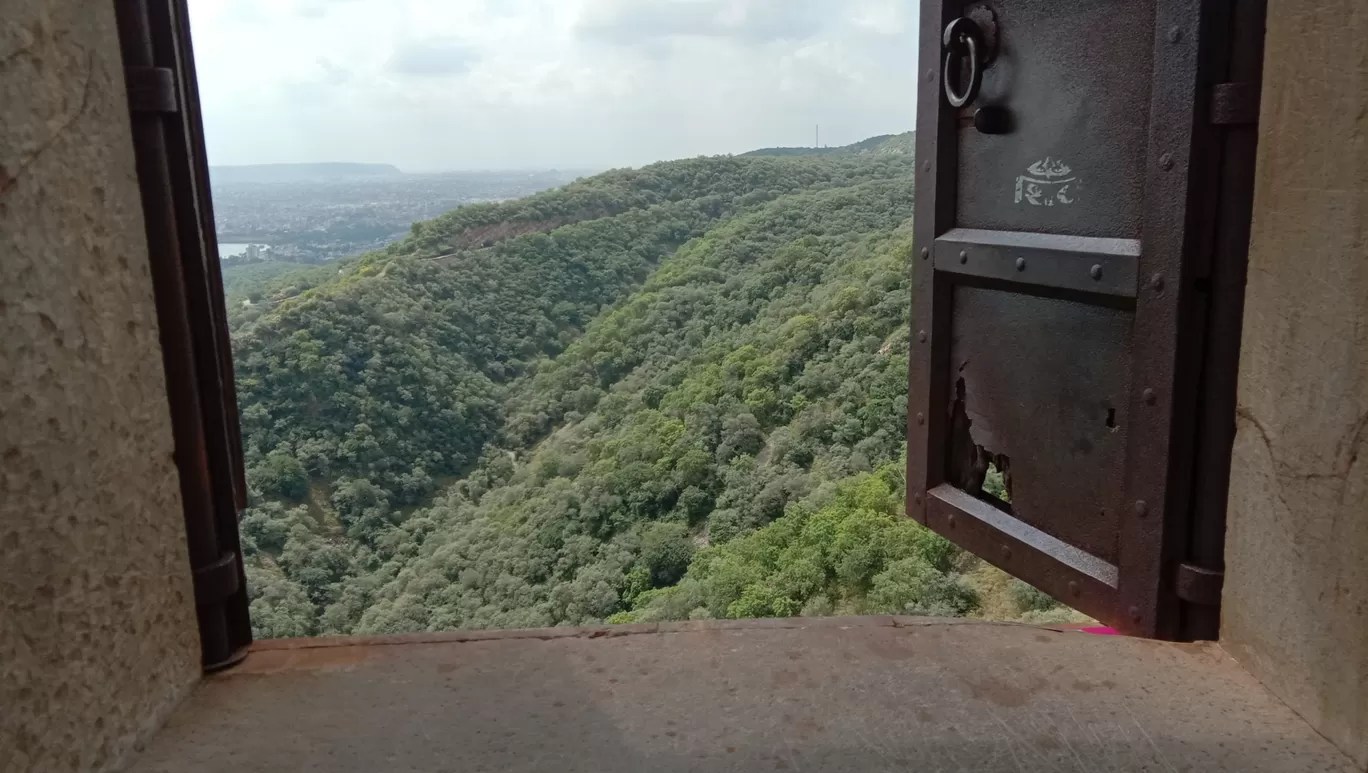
(434, 85)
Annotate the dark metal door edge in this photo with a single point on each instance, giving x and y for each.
(190, 318)
(1235, 103)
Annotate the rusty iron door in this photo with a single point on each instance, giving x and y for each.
(1084, 191)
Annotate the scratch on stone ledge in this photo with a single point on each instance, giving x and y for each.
(21, 50)
(1355, 441)
(1354, 438)
(1243, 414)
(1150, 739)
(8, 180)
(15, 54)
(1346, 455)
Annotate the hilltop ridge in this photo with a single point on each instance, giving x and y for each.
(884, 144)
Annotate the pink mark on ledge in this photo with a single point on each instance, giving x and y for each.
(1102, 631)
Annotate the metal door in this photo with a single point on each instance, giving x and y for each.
(1083, 198)
(173, 177)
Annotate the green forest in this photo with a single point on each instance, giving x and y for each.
(675, 392)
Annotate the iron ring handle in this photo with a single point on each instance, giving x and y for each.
(962, 36)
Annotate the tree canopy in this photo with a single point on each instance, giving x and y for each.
(663, 393)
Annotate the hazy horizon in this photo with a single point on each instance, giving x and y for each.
(494, 169)
(512, 85)
(364, 162)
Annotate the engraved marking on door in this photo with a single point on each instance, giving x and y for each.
(1046, 183)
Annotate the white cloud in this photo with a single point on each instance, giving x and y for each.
(438, 57)
(756, 21)
(448, 84)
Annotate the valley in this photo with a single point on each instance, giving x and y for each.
(675, 392)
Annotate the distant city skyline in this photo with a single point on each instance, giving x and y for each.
(535, 84)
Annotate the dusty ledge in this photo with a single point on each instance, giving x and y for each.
(823, 694)
(634, 629)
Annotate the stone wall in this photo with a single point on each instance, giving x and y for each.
(97, 626)
(1296, 595)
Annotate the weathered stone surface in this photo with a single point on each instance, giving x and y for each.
(1296, 594)
(97, 626)
(865, 694)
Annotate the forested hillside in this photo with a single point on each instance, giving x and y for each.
(662, 393)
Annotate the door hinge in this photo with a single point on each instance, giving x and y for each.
(217, 581)
(1200, 585)
(1234, 104)
(152, 90)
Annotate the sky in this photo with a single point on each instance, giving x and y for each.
(444, 85)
